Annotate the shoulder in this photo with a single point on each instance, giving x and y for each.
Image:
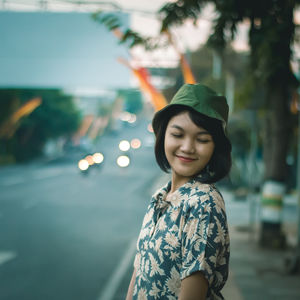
(203, 196)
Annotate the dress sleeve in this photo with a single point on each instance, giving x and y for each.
(205, 240)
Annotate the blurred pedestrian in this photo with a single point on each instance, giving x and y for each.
(183, 246)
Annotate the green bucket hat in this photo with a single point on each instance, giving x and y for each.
(199, 97)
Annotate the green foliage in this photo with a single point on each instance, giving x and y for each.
(175, 13)
(250, 94)
(201, 62)
(9, 103)
(111, 21)
(57, 116)
(129, 37)
(271, 32)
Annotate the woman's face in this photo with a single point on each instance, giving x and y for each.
(188, 147)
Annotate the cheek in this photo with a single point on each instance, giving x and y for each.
(169, 144)
(207, 151)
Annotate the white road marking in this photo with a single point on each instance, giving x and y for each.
(6, 256)
(115, 280)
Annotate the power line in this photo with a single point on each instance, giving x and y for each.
(67, 5)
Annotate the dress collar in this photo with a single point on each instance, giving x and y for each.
(177, 196)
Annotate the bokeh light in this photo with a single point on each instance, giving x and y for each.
(135, 143)
(124, 145)
(125, 116)
(149, 128)
(132, 118)
(98, 158)
(123, 161)
(83, 165)
(90, 160)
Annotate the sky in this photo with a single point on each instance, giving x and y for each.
(59, 50)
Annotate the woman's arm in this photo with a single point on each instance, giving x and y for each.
(194, 287)
(131, 286)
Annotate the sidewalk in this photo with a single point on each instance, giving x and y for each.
(257, 273)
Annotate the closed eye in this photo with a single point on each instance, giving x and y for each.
(176, 135)
(203, 141)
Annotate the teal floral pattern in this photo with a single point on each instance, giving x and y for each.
(186, 234)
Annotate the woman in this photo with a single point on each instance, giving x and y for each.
(183, 246)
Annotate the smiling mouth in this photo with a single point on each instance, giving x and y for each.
(185, 159)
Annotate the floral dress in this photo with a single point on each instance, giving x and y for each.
(187, 234)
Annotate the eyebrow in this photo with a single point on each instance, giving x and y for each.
(180, 128)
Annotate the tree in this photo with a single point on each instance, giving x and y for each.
(56, 116)
(271, 36)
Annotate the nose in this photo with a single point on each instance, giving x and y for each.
(187, 146)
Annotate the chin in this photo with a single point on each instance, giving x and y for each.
(184, 173)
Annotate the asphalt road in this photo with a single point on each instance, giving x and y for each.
(67, 236)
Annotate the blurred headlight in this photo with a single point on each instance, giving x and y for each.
(135, 143)
(90, 160)
(83, 165)
(125, 116)
(132, 118)
(98, 158)
(124, 145)
(123, 161)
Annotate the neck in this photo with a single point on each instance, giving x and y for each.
(177, 182)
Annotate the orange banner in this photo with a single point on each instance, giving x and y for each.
(143, 76)
(98, 125)
(185, 67)
(9, 127)
(158, 99)
(186, 70)
(85, 125)
(26, 109)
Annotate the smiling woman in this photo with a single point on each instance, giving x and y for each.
(183, 247)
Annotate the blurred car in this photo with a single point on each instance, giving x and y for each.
(94, 160)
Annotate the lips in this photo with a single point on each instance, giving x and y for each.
(185, 159)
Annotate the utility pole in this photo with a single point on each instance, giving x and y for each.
(293, 262)
(217, 65)
(297, 256)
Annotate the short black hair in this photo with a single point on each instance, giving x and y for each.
(220, 162)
